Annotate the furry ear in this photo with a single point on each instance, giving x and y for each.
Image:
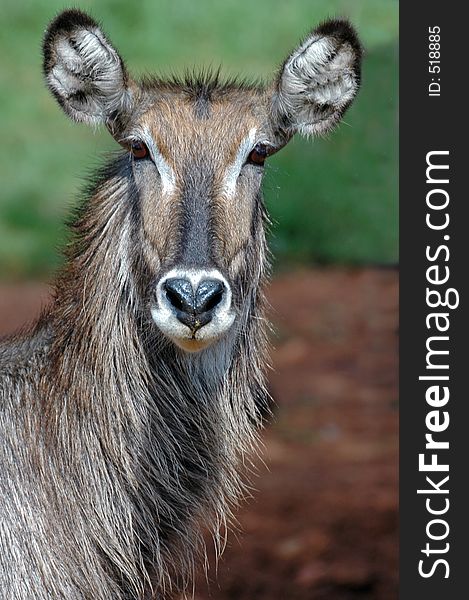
(318, 81)
(84, 72)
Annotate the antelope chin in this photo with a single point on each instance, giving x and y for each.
(191, 345)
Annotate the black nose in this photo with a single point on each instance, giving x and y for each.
(194, 308)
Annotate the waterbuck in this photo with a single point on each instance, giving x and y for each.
(130, 406)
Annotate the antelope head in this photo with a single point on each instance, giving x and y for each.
(197, 149)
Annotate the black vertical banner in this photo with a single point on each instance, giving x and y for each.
(434, 445)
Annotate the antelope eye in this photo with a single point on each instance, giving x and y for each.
(138, 149)
(258, 154)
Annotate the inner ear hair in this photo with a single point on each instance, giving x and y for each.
(319, 80)
(83, 70)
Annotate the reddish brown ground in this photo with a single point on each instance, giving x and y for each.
(323, 521)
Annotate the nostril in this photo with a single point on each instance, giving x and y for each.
(180, 294)
(174, 299)
(214, 300)
(209, 294)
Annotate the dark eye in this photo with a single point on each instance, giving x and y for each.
(138, 149)
(258, 154)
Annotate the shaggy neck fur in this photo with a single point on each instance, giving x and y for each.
(143, 442)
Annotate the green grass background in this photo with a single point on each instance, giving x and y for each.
(332, 200)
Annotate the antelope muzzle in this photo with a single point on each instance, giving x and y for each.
(193, 307)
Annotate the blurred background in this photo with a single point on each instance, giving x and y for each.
(322, 521)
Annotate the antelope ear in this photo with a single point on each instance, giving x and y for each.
(84, 72)
(318, 81)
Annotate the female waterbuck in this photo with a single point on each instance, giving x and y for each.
(129, 407)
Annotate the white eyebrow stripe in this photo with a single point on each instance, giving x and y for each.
(168, 178)
(233, 170)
